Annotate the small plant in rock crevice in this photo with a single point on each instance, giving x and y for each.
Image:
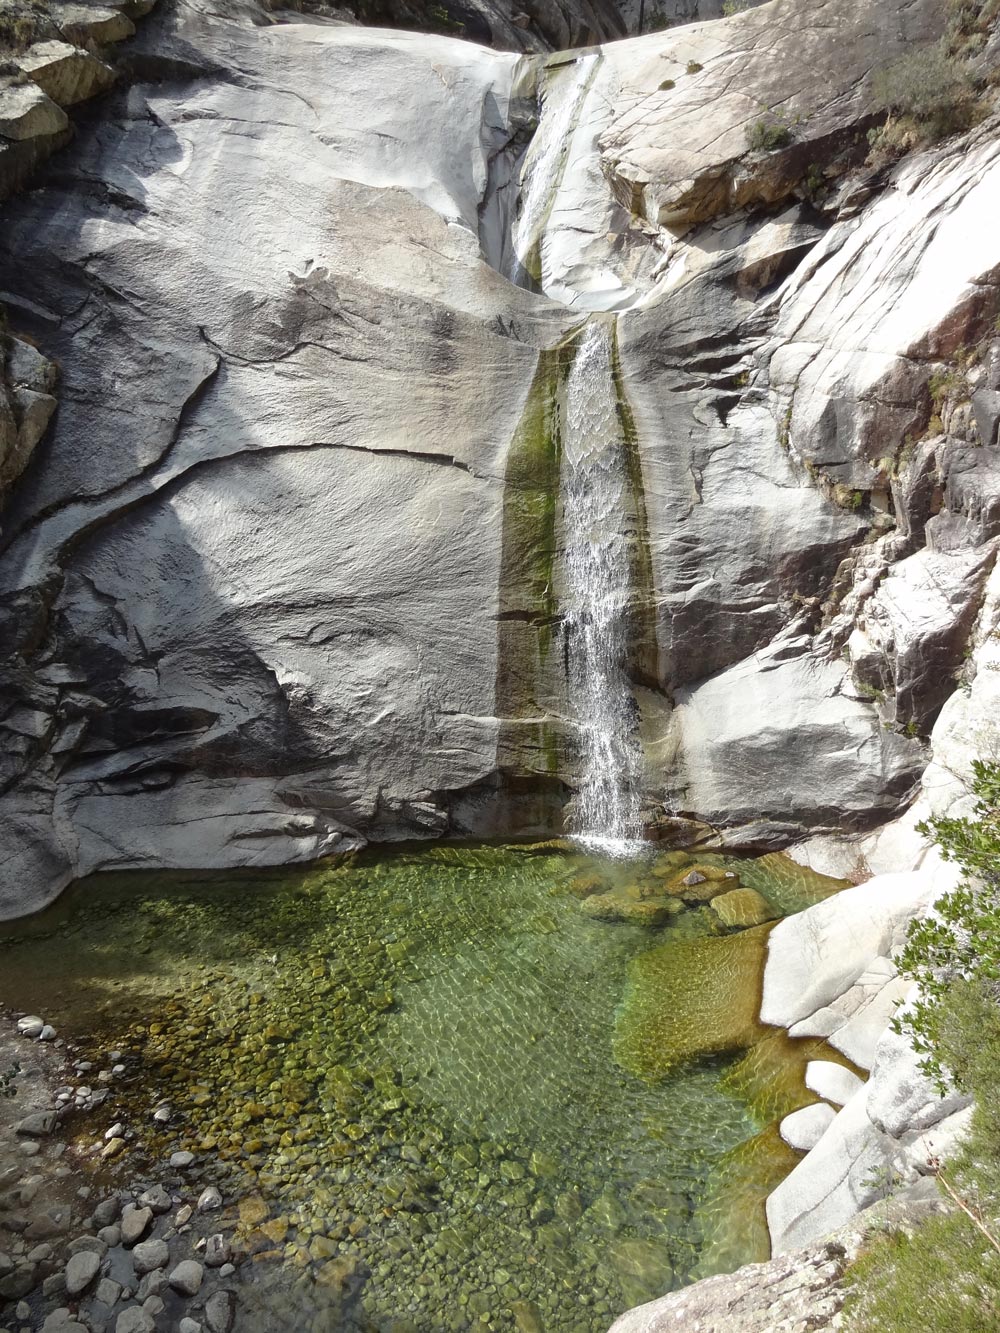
(768, 134)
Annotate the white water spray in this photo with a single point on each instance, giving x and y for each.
(596, 499)
(545, 163)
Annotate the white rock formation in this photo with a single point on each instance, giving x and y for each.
(803, 1129)
(832, 1081)
(261, 572)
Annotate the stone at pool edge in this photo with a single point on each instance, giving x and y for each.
(149, 1255)
(187, 1277)
(832, 1081)
(804, 1128)
(81, 1270)
(134, 1224)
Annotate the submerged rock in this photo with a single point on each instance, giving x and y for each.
(740, 908)
(687, 999)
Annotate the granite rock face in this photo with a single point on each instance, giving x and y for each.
(284, 575)
(802, 1289)
(680, 148)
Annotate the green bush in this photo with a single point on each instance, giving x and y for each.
(959, 946)
(945, 1278)
(929, 87)
(768, 134)
(732, 7)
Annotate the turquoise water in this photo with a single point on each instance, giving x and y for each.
(403, 1066)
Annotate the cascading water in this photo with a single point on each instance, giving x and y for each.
(595, 496)
(543, 168)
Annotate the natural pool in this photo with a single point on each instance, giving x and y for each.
(454, 1087)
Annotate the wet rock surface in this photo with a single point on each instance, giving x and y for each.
(798, 1291)
(751, 717)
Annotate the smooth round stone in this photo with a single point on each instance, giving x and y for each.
(81, 1271)
(150, 1254)
(31, 1025)
(209, 1200)
(832, 1081)
(187, 1277)
(135, 1223)
(48, 1033)
(803, 1129)
(135, 1320)
(180, 1160)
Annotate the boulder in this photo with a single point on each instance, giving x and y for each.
(817, 955)
(84, 25)
(81, 1270)
(26, 112)
(776, 735)
(803, 1129)
(149, 1255)
(846, 1170)
(743, 907)
(135, 1223)
(186, 1277)
(38, 1125)
(831, 1081)
(66, 73)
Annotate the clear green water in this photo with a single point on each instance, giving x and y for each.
(407, 1061)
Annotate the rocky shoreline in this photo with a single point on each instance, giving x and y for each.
(80, 1254)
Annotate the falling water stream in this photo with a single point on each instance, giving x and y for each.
(594, 486)
(595, 499)
(543, 168)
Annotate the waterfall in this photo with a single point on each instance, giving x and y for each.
(596, 500)
(542, 170)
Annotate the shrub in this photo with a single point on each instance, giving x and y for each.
(731, 7)
(927, 86)
(961, 942)
(768, 134)
(693, 67)
(666, 85)
(945, 1278)
(942, 1279)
